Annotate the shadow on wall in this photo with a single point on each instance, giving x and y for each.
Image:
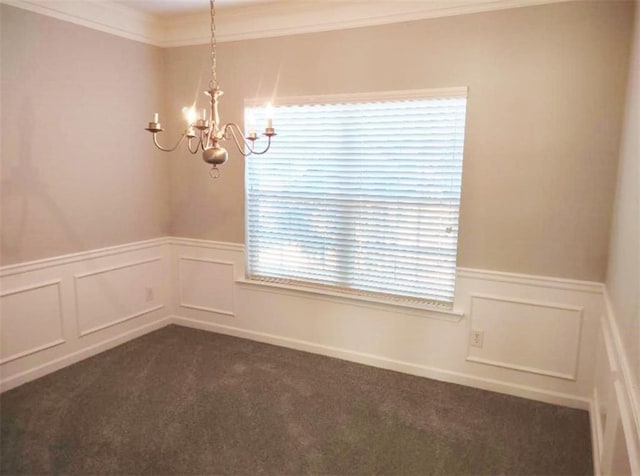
(22, 191)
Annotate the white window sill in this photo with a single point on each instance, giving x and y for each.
(421, 310)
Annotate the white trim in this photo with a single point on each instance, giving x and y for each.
(468, 273)
(44, 263)
(293, 18)
(625, 390)
(517, 390)
(480, 274)
(57, 283)
(40, 348)
(104, 16)
(24, 289)
(362, 300)
(257, 21)
(522, 368)
(181, 303)
(115, 268)
(631, 440)
(78, 277)
(596, 433)
(208, 244)
(531, 302)
(461, 272)
(622, 362)
(534, 370)
(619, 397)
(610, 432)
(531, 280)
(72, 358)
(208, 260)
(609, 350)
(208, 309)
(121, 320)
(374, 96)
(233, 253)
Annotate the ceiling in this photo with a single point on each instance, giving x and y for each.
(165, 8)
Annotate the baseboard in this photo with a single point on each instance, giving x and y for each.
(596, 434)
(72, 358)
(522, 391)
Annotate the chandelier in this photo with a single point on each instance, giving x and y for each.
(206, 132)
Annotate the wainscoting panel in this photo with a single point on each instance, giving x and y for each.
(31, 320)
(206, 285)
(57, 311)
(536, 337)
(615, 406)
(540, 334)
(109, 296)
(562, 314)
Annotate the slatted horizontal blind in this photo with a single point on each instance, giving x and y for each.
(362, 196)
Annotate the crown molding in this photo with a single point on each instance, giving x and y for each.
(100, 15)
(258, 21)
(291, 18)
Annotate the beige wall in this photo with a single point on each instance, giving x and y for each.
(623, 273)
(545, 105)
(78, 170)
(546, 86)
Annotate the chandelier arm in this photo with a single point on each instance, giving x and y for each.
(266, 148)
(202, 144)
(252, 150)
(228, 127)
(189, 146)
(165, 149)
(232, 127)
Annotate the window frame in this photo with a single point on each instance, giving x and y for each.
(375, 96)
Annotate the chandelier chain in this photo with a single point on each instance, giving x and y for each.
(213, 84)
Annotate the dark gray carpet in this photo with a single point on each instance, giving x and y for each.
(182, 401)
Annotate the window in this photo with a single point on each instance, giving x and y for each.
(360, 194)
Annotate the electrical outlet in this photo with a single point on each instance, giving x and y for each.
(477, 338)
(149, 294)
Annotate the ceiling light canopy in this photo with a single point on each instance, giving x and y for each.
(206, 132)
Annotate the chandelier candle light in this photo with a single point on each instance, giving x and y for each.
(208, 132)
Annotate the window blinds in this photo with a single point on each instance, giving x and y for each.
(359, 196)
